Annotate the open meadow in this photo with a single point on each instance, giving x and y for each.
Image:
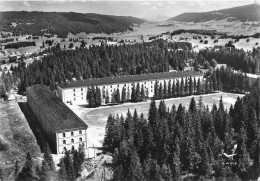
(16, 137)
(96, 118)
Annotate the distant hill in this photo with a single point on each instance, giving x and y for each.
(61, 23)
(242, 13)
(159, 18)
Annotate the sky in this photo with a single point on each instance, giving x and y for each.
(147, 9)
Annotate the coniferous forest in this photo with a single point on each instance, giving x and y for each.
(101, 61)
(105, 61)
(178, 142)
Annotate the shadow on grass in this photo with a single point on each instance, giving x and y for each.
(34, 125)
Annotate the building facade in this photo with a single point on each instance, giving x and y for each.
(63, 128)
(75, 91)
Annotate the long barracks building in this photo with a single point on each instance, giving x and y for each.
(63, 128)
(75, 91)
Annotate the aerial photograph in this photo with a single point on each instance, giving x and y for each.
(149, 90)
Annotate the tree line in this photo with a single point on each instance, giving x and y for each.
(223, 79)
(99, 61)
(17, 45)
(69, 167)
(248, 62)
(62, 23)
(177, 142)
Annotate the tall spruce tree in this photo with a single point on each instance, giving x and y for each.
(27, 172)
(170, 89)
(165, 89)
(124, 95)
(182, 91)
(190, 86)
(160, 91)
(142, 93)
(156, 90)
(137, 93)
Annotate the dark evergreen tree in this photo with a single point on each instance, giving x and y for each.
(124, 95)
(182, 91)
(190, 86)
(62, 171)
(133, 93)
(109, 135)
(156, 90)
(161, 91)
(165, 90)
(174, 93)
(170, 89)
(137, 93)
(27, 172)
(186, 87)
(199, 88)
(195, 86)
(142, 93)
(117, 96)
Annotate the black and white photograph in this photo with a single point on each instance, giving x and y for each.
(121, 90)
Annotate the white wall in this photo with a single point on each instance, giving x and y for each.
(79, 95)
(76, 136)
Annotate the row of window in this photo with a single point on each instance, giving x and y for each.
(81, 89)
(72, 133)
(75, 94)
(72, 141)
(117, 86)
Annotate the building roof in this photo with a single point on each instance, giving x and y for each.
(58, 115)
(127, 78)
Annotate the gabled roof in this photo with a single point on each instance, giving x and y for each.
(127, 79)
(57, 114)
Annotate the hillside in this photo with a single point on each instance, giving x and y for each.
(61, 23)
(242, 13)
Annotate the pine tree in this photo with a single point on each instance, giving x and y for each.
(48, 157)
(162, 110)
(190, 86)
(156, 90)
(128, 96)
(62, 171)
(69, 167)
(91, 97)
(160, 91)
(133, 93)
(194, 86)
(170, 89)
(178, 92)
(27, 172)
(186, 87)
(124, 95)
(109, 135)
(76, 162)
(165, 90)
(199, 90)
(137, 93)
(182, 91)
(174, 89)
(98, 99)
(107, 99)
(117, 96)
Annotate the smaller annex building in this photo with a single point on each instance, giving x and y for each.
(63, 128)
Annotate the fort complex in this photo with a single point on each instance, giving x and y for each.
(63, 128)
(75, 91)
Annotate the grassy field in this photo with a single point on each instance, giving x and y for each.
(96, 117)
(16, 136)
